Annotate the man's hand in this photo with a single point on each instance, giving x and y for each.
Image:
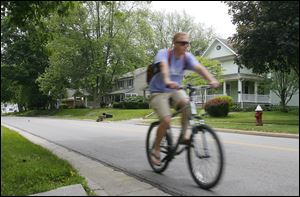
(214, 84)
(172, 85)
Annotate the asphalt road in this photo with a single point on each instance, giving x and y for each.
(254, 165)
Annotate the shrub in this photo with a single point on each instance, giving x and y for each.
(137, 99)
(134, 102)
(228, 99)
(63, 106)
(217, 107)
(118, 105)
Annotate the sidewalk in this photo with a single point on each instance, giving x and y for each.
(102, 180)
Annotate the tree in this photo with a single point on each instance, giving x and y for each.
(23, 12)
(22, 59)
(267, 36)
(166, 25)
(23, 54)
(211, 65)
(284, 85)
(96, 43)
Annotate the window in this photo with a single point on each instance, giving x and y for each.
(130, 94)
(121, 84)
(218, 47)
(130, 83)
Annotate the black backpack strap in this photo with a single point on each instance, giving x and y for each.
(185, 61)
(169, 56)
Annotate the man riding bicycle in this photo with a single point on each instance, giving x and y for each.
(164, 86)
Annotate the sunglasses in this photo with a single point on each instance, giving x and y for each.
(182, 43)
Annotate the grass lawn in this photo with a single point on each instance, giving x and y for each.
(273, 121)
(118, 114)
(27, 168)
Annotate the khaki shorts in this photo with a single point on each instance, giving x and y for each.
(160, 102)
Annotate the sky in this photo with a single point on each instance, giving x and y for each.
(210, 13)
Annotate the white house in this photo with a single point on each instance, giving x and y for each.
(9, 108)
(75, 98)
(241, 83)
(130, 84)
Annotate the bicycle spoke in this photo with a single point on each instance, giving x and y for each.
(205, 159)
(164, 148)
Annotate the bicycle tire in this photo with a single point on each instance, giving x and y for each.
(197, 174)
(149, 146)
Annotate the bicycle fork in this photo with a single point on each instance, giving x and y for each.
(201, 151)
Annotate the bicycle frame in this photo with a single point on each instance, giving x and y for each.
(199, 147)
(172, 151)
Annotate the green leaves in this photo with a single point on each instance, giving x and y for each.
(267, 36)
(211, 65)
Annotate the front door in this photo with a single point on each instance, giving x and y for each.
(228, 89)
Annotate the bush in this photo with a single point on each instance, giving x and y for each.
(217, 107)
(228, 99)
(118, 105)
(134, 102)
(136, 99)
(63, 106)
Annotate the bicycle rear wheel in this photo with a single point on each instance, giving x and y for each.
(165, 145)
(205, 157)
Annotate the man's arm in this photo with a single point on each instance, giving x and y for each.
(164, 68)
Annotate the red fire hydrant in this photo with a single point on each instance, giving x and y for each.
(258, 115)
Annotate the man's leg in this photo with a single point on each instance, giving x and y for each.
(161, 131)
(184, 119)
(182, 100)
(160, 103)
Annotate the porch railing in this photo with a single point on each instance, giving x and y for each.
(201, 98)
(259, 98)
(247, 98)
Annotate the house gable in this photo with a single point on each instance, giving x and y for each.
(219, 49)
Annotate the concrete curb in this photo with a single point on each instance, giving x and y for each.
(260, 133)
(71, 190)
(101, 179)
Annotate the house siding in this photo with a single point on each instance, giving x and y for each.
(245, 70)
(140, 83)
(275, 100)
(229, 67)
(214, 53)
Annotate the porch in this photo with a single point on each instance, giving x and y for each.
(245, 98)
(242, 88)
(118, 96)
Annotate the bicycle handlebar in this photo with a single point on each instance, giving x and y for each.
(190, 87)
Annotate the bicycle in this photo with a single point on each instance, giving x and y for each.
(204, 146)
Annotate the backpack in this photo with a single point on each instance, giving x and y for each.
(153, 69)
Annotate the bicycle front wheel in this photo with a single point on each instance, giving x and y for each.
(205, 157)
(165, 146)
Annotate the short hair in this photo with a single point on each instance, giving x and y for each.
(177, 35)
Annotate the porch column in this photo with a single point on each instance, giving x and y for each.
(224, 88)
(240, 92)
(255, 91)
